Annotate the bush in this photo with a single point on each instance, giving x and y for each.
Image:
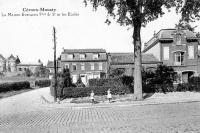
(112, 82)
(43, 83)
(71, 92)
(187, 87)
(13, 86)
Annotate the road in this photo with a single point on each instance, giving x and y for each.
(169, 118)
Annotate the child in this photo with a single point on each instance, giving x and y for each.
(92, 96)
(109, 96)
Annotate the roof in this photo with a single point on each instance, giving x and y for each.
(167, 34)
(128, 58)
(1, 56)
(11, 56)
(84, 51)
(29, 64)
(50, 64)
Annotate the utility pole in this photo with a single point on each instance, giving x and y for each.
(55, 65)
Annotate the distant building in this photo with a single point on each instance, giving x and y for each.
(86, 63)
(50, 67)
(22, 67)
(2, 63)
(177, 48)
(125, 61)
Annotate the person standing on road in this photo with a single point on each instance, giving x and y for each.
(109, 96)
(92, 96)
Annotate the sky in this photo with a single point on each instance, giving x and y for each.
(31, 37)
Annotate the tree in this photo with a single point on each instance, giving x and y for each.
(79, 82)
(116, 73)
(134, 13)
(17, 61)
(41, 71)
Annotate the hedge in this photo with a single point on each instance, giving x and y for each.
(74, 92)
(43, 83)
(13, 86)
(115, 82)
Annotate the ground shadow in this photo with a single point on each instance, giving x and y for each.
(147, 95)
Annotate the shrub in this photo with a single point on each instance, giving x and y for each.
(43, 83)
(187, 87)
(12, 86)
(71, 92)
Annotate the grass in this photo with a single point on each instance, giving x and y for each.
(102, 99)
(16, 79)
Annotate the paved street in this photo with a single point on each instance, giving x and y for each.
(175, 118)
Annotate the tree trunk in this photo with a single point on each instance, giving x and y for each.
(137, 62)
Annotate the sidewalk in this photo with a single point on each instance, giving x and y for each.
(41, 100)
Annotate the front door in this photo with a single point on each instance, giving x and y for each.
(84, 79)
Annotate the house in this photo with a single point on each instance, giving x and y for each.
(125, 61)
(86, 63)
(22, 67)
(177, 48)
(11, 64)
(50, 67)
(2, 63)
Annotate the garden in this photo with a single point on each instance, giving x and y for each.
(160, 80)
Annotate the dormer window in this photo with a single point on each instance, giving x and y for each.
(82, 56)
(70, 56)
(95, 56)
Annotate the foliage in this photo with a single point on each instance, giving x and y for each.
(41, 71)
(13, 86)
(43, 83)
(85, 91)
(185, 25)
(17, 61)
(1, 74)
(187, 87)
(79, 82)
(28, 72)
(114, 73)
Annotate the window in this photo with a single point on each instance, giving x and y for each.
(178, 41)
(179, 56)
(100, 66)
(70, 56)
(190, 52)
(96, 76)
(67, 66)
(20, 69)
(95, 56)
(165, 53)
(92, 66)
(82, 66)
(74, 67)
(82, 56)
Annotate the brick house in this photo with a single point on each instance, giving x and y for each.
(125, 61)
(177, 48)
(86, 63)
(22, 67)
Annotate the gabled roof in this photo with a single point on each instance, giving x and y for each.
(167, 34)
(50, 64)
(128, 58)
(11, 57)
(84, 51)
(1, 56)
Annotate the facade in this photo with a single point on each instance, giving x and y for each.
(50, 67)
(22, 67)
(125, 61)
(177, 48)
(86, 63)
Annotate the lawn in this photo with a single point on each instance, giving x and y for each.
(16, 79)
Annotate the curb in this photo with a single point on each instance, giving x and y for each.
(121, 104)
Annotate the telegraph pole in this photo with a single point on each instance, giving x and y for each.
(55, 65)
